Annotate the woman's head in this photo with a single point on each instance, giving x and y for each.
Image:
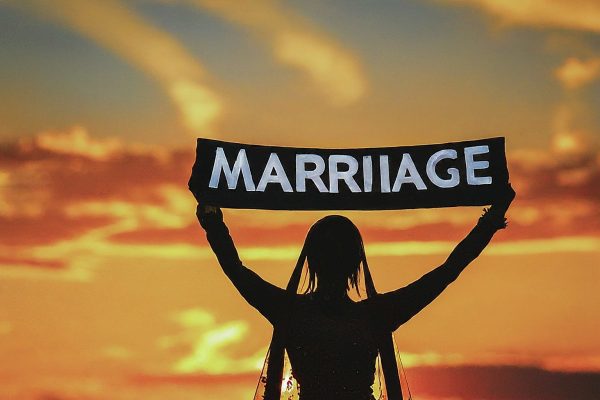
(334, 251)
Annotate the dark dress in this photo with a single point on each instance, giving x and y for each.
(331, 344)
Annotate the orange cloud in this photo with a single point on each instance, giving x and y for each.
(547, 224)
(206, 341)
(104, 198)
(31, 262)
(49, 227)
(77, 168)
(194, 379)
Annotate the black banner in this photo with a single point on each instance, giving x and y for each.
(238, 175)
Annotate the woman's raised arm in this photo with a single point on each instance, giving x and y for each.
(268, 299)
(394, 308)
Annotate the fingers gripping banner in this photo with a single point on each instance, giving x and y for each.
(235, 175)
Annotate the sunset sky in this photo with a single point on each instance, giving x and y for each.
(107, 287)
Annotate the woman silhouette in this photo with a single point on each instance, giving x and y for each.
(333, 342)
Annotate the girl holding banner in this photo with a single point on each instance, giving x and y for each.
(333, 342)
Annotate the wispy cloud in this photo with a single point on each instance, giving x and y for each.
(206, 341)
(113, 25)
(566, 14)
(76, 141)
(334, 70)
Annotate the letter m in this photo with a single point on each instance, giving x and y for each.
(232, 175)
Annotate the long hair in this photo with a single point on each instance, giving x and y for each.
(343, 256)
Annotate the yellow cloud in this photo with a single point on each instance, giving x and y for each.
(174, 213)
(334, 70)
(567, 14)
(77, 141)
(430, 358)
(116, 27)
(575, 73)
(208, 342)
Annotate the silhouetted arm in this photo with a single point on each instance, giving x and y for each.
(395, 308)
(268, 299)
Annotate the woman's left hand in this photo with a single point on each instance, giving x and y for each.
(206, 214)
(203, 210)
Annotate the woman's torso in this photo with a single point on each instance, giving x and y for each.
(332, 348)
